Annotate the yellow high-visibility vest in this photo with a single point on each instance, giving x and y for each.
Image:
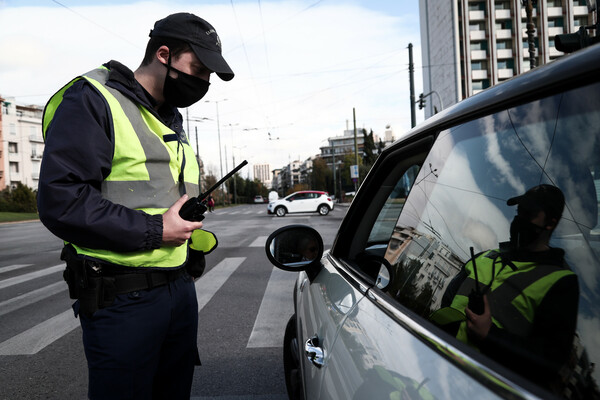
(145, 173)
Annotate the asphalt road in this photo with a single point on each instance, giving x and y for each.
(244, 305)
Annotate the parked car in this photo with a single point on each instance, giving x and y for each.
(301, 202)
(259, 199)
(361, 327)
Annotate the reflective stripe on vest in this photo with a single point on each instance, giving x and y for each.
(145, 171)
(513, 296)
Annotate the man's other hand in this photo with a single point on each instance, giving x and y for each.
(177, 230)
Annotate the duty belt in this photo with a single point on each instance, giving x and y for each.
(133, 282)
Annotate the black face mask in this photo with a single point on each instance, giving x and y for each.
(523, 232)
(184, 90)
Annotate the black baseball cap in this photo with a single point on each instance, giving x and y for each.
(545, 198)
(200, 35)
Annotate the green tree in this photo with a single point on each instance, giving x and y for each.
(369, 148)
(321, 176)
(19, 199)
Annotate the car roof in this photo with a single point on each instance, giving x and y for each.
(569, 71)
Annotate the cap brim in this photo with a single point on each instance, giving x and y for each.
(213, 61)
(514, 200)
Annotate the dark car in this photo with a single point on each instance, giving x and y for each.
(363, 326)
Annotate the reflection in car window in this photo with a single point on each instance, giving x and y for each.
(459, 200)
(386, 220)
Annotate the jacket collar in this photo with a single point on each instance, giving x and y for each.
(122, 79)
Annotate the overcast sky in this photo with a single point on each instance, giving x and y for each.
(301, 66)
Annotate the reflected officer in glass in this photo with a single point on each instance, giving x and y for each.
(518, 304)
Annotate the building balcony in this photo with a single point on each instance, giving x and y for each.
(478, 15)
(477, 35)
(526, 53)
(579, 11)
(478, 55)
(555, 31)
(36, 156)
(502, 14)
(35, 175)
(479, 74)
(504, 53)
(36, 138)
(555, 11)
(552, 52)
(14, 157)
(15, 176)
(505, 73)
(503, 34)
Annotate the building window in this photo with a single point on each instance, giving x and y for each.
(14, 167)
(478, 66)
(13, 148)
(480, 85)
(556, 22)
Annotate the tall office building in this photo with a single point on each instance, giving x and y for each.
(470, 45)
(262, 172)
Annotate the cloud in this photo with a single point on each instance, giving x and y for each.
(300, 70)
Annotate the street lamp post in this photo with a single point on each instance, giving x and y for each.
(219, 135)
(195, 119)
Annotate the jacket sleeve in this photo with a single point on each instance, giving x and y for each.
(77, 158)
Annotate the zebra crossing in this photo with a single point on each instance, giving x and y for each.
(274, 311)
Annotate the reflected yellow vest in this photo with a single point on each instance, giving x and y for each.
(514, 295)
(147, 163)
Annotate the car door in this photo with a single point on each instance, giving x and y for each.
(408, 234)
(294, 202)
(322, 306)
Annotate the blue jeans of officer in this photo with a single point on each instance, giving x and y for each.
(144, 346)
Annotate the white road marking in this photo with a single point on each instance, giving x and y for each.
(32, 275)
(13, 267)
(259, 241)
(35, 339)
(32, 297)
(275, 310)
(211, 282)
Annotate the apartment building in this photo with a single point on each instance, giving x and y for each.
(262, 172)
(470, 45)
(22, 144)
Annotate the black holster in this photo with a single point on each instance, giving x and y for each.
(86, 283)
(196, 263)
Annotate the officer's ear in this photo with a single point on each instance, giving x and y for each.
(162, 54)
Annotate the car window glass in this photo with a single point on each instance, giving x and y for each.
(459, 201)
(386, 220)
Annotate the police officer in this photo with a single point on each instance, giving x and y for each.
(518, 304)
(117, 168)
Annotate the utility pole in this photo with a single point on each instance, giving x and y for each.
(198, 158)
(355, 147)
(411, 76)
(529, 4)
(334, 180)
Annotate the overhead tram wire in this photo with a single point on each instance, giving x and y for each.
(98, 25)
(256, 96)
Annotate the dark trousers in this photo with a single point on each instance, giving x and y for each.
(144, 346)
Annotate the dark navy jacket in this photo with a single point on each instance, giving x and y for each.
(78, 157)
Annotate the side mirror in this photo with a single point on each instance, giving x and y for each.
(295, 248)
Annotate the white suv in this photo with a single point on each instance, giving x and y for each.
(303, 201)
